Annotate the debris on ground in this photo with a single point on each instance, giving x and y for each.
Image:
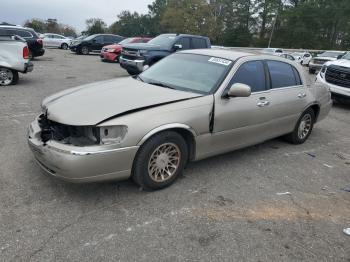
(284, 193)
(310, 154)
(347, 231)
(341, 156)
(329, 166)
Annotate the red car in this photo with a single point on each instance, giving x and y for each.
(111, 53)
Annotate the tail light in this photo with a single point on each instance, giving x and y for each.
(26, 52)
(39, 41)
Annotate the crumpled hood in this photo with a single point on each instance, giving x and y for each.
(340, 62)
(91, 104)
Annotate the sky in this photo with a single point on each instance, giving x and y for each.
(71, 12)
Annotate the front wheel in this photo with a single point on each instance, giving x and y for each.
(160, 161)
(64, 46)
(303, 128)
(8, 76)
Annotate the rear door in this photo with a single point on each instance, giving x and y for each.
(288, 96)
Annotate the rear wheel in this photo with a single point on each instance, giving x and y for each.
(160, 161)
(64, 46)
(85, 50)
(303, 128)
(8, 76)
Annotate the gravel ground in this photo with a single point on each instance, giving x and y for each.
(225, 208)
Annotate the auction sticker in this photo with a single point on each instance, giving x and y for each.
(220, 61)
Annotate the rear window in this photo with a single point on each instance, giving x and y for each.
(282, 74)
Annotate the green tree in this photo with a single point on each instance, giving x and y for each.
(95, 26)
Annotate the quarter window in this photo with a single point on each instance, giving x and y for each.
(198, 43)
(282, 74)
(251, 73)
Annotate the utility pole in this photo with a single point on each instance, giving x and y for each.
(273, 29)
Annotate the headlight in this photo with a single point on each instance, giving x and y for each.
(143, 52)
(112, 134)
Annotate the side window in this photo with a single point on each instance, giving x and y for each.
(116, 39)
(282, 74)
(306, 55)
(3, 32)
(99, 39)
(185, 42)
(24, 34)
(198, 43)
(251, 73)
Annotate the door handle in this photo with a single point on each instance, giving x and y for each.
(301, 95)
(263, 103)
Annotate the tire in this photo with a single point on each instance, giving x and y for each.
(303, 128)
(84, 50)
(152, 168)
(312, 71)
(8, 77)
(64, 46)
(132, 72)
(116, 60)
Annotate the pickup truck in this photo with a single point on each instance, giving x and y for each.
(136, 58)
(14, 58)
(336, 75)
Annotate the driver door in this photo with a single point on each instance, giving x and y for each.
(243, 121)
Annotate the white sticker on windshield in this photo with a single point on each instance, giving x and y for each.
(220, 61)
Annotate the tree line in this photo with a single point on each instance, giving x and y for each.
(308, 24)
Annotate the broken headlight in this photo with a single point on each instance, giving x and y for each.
(112, 134)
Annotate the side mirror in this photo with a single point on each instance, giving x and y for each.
(177, 47)
(239, 90)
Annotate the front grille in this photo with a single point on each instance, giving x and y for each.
(130, 52)
(338, 75)
(66, 134)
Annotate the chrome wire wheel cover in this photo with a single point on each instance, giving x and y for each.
(164, 162)
(304, 126)
(6, 76)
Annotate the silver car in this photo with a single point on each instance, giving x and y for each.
(191, 105)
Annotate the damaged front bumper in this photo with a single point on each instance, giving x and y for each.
(80, 164)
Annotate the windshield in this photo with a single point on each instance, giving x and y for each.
(163, 40)
(188, 72)
(90, 37)
(347, 56)
(331, 54)
(125, 41)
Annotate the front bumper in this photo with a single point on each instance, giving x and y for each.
(80, 164)
(109, 56)
(135, 65)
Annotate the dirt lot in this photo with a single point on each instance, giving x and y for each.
(225, 208)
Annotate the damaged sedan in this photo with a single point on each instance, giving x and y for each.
(189, 106)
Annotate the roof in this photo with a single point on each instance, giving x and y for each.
(223, 53)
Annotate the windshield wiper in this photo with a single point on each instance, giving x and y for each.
(160, 84)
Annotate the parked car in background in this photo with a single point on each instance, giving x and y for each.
(336, 75)
(111, 53)
(189, 106)
(317, 62)
(14, 58)
(55, 40)
(288, 56)
(137, 57)
(272, 51)
(35, 44)
(303, 58)
(94, 43)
